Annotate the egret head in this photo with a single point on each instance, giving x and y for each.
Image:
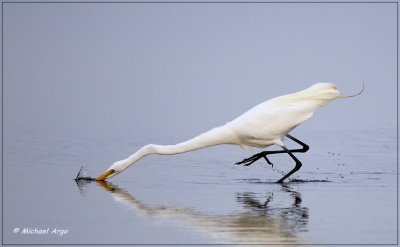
(113, 170)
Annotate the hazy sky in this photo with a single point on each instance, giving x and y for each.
(167, 66)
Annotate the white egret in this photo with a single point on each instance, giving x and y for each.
(264, 125)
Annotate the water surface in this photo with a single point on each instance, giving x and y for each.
(345, 192)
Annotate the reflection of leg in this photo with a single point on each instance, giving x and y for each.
(249, 200)
(252, 159)
(294, 194)
(295, 169)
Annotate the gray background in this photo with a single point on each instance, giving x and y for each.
(163, 66)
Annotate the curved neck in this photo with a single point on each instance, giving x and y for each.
(216, 136)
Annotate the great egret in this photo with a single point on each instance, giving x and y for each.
(262, 126)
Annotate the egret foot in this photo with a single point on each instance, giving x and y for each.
(254, 158)
(269, 162)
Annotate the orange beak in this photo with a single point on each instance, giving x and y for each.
(104, 176)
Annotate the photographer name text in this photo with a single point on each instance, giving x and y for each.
(41, 231)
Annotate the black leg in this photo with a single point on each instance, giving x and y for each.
(295, 169)
(304, 148)
(252, 159)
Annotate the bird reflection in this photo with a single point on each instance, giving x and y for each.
(291, 219)
(266, 219)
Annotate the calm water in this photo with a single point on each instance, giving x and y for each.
(198, 197)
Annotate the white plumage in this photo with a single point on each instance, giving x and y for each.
(264, 125)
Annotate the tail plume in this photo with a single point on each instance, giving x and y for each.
(350, 96)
